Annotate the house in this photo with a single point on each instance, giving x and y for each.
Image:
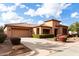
(26, 30)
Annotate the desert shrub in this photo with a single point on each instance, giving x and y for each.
(15, 40)
(2, 37)
(43, 36)
(35, 36)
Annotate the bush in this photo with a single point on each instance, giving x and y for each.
(35, 36)
(2, 37)
(43, 36)
(15, 40)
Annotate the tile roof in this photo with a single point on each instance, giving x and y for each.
(21, 24)
(43, 26)
(52, 20)
(62, 25)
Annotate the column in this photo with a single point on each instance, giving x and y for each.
(40, 30)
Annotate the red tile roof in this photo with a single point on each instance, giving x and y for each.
(20, 24)
(52, 20)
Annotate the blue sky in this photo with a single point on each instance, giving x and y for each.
(37, 13)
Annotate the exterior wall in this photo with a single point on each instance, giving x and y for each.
(34, 30)
(26, 32)
(65, 29)
(7, 31)
(18, 32)
(46, 28)
(52, 23)
(41, 30)
(60, 30)
(48, 23)
(55, 24)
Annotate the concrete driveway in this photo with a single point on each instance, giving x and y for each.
(44, 47)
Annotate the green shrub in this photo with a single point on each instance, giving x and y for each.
(15, 40)
(35, 36)
(2, 37)
(43, 36)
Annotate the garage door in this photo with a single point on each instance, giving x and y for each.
(21, 33)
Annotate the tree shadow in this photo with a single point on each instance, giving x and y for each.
(70, 41)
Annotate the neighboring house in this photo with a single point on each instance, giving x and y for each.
(26, 30)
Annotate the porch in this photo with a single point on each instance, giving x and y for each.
(42, 30)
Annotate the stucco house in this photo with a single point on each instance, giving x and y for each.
(26, 30)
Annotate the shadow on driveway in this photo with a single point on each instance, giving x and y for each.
(41, 46)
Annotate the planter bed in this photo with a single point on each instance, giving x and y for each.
(7, 49)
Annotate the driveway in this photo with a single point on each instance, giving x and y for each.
(44, 47)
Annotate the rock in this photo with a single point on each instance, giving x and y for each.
(18, 47)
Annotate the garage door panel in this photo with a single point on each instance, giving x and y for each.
(21, 33)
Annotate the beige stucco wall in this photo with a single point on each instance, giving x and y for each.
(52, 23)
(34, 30)
(41, 30)
(55, 24)
(60, 30)
(7, 31)
(46, 28)
(49, 23)
(18, 32)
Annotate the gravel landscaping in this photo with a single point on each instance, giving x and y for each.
(7, 49)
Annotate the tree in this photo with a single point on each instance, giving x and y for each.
(1, 29)
(74, 27)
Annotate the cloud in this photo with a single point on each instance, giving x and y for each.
(75, 15)
(22, 6)
(30, 21)
(48, 9)
(38, 5)
(11, 17)
(30, 12)
(5, 8)
(17, 4)
(27, 7)
(40, 22)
